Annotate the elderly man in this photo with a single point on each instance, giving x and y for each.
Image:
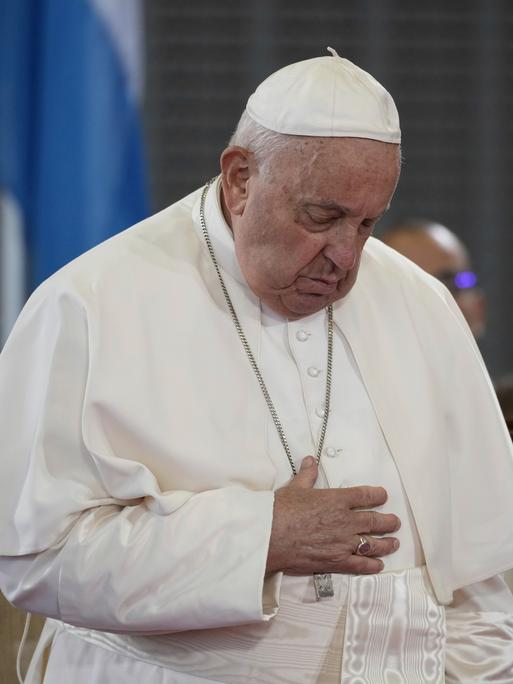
(245, 442)
(438, 251)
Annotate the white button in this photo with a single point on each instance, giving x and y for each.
(330, 451)
(302, 335)
(313, 372)
(319, 412)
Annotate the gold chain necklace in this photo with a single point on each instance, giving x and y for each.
(323, 582)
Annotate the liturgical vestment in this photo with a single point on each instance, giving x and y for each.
(139, 464)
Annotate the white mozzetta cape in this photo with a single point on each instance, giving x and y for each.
(130, 424)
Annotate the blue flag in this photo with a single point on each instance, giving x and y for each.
(71, 154)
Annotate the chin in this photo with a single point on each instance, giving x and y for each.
(305, 304)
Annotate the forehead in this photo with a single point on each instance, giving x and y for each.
(349, 171)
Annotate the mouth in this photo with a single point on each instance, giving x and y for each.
(317, 286)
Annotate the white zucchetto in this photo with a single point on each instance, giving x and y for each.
(326, 97)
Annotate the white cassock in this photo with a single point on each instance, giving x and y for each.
(139, 462)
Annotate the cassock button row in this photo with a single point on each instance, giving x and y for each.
(313, 372)
(319, 412)
(302, 335)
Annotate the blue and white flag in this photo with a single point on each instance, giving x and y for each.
(72, 169)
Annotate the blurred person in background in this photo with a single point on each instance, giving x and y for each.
(439, 252)
(245, 441)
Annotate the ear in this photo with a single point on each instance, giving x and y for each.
(236, 166)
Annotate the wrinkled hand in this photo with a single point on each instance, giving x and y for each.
(318, 530)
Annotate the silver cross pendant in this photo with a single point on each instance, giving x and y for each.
(323, 586)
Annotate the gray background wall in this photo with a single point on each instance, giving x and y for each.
(449, 66)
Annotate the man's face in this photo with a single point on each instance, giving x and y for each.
(301, 228)
(439, 253)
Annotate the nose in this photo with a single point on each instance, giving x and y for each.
(343, 247)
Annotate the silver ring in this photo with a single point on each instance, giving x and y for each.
(363, 547)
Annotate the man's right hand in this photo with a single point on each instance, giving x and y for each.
(318, 530)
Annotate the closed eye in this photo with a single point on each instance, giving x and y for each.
(322, 219)
(368, 225)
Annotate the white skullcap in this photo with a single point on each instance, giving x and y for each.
(327, 97)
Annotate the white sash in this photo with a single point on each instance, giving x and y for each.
(379, 629)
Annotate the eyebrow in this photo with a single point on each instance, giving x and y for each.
(333, 206)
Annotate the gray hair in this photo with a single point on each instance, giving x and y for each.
(264, 143)
(261, 141)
